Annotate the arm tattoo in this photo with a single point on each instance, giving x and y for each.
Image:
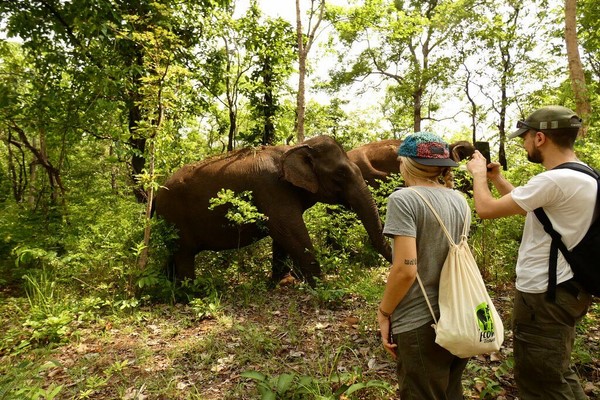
(410, 261)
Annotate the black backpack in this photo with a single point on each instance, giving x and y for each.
(584, 258)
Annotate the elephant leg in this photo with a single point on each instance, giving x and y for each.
(279, 264)
(294, 240)
(183, 265)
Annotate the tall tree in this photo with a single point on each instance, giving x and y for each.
(589, 19)
(224, 66)
(247, 58)
(406, 44)
(107, 49)
(582, 99)
(37, 111)
(305, 42)
(589, 35)
(502, 49)
(272, 42)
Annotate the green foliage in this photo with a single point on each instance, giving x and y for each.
(328, 295)
(291, 386)
(495, 244)
(241, 210)
(338, 236)
(205, 307)
(349, 128)
(414, 52)
(13, 387)
(488, 383)
(49, 319)
(89, 91)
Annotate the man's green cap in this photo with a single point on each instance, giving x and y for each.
(548, 118)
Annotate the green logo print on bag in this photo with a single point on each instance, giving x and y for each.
(486, 323)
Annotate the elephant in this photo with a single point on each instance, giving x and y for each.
(284, 181)
(377, 160)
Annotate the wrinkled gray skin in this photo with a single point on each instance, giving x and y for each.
(285, 181)
(377, 160)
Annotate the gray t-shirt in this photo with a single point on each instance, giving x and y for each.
(408, 215)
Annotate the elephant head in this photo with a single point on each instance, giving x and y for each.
(461, 150)
(377, 160)
(321, 167)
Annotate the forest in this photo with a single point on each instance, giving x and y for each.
(101, 101)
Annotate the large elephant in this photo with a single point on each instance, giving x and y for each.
(377, 160)
(284, 181)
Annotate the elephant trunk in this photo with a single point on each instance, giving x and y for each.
(362, 202)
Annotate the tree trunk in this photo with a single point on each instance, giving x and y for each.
(17, 168)
(41, 158)
(417, 99)
(269, 106)
(136, 141)
(143, 260)
(138, 146)
(473, 113)
(303, 49)
(300, 100)
(232, 129)
(507, 65)
(582, 100)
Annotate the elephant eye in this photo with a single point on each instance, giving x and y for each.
(343, 173)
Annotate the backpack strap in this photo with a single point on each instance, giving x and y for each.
(448, 236)
(586, 169)
(426, 298)
(557, 243)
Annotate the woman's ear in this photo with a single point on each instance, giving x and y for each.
(296, 167)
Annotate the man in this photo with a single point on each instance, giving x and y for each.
(544, 328)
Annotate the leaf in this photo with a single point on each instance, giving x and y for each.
(379, 384)
(268, 395)
(372, 363)
(284, 382)
(320, 325)
(54, 392)
(257, 376)
(356, 387)
(340, 391)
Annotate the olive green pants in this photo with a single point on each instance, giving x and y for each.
(544, 333)
(427, 371)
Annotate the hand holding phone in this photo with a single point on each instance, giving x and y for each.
(484, 149)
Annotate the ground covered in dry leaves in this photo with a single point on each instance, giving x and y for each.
(300, 344)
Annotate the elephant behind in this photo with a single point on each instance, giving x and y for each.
(377, 160)
(284, 181)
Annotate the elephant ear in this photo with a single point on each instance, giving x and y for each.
(461, 150)
(296, 167)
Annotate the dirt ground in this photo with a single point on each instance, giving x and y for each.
(168, 352)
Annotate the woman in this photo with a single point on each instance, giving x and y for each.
(425, 370)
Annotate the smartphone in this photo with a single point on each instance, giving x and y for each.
(484, 149)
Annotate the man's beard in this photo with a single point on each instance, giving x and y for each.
(535, 156)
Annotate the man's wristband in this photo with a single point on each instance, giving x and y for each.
(385, 314)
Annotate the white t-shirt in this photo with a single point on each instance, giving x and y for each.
(568, 198)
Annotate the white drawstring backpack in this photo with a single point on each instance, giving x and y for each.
(469, 323)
